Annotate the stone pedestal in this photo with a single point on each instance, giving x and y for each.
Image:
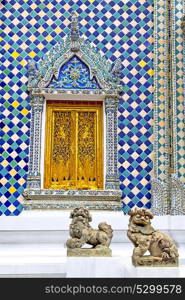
(85, 252)
(151, 261)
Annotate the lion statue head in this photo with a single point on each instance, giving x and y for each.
(140, 220)
(145, 238)
(81, 213)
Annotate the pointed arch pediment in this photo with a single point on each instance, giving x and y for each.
(101, 71)
(74, 74)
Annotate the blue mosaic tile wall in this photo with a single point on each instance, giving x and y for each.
(118, 29)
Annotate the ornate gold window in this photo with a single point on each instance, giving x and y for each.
(74, 94)
(74, 147)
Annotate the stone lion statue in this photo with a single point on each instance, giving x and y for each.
(161, 247)
(82, 233)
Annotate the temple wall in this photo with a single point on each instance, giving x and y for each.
(137, 32)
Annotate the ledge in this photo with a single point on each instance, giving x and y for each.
(49, 91)
(68, 199)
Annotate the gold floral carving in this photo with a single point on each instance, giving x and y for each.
(86, 136)
(87, 149)
(62, 136)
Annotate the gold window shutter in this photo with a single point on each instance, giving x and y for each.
(74, 145)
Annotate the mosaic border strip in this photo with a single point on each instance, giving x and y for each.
(161, 109)
(177, 74)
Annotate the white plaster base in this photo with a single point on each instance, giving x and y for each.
(44, 260)
(33, 245)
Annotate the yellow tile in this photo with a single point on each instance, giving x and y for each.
(1, 38)
(40, 46)
(12, 189)
(91, 1)
(13, 172)
(151, 39)
(21, 181)
(32, 54)
(5, 163)
(23, 62)
(142, 63)
(33, 6)
(24, 111)
(150, 72)
(49, 38)
(50, 6)
(15, 104)
(58, 30)
(133, 8)
(6, 129)
(15, 54)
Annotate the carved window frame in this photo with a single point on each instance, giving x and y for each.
(107, 76)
